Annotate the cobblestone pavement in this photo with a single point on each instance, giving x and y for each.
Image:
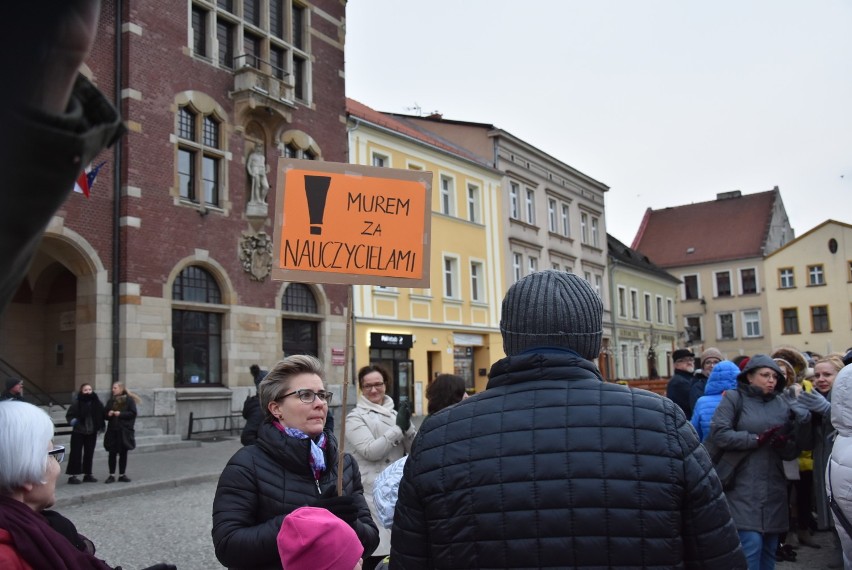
(166, 525)
(152, 471)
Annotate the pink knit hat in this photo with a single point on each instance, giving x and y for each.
(313, 538)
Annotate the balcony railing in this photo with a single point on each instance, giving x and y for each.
(262, 82)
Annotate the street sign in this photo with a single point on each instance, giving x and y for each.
(345, 223)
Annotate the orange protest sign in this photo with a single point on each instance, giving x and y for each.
(344, 223)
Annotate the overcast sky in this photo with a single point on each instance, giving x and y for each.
(667, 102)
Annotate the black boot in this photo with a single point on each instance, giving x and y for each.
(785, 553)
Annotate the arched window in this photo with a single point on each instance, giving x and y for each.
(298, 298)
(298, 144)
(196, 330)
(300, 326)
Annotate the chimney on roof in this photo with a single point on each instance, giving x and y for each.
(435, 115)
(729, 195)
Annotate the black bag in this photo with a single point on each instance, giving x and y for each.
(727, 461)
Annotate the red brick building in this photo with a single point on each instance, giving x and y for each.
(160, 278)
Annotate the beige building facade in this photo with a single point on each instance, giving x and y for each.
(716, 250)
(809, 290)
(724, 305)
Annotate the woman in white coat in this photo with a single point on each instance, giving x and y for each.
(377, 436)
(839, 471)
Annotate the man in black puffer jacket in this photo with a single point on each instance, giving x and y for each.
(551, 467)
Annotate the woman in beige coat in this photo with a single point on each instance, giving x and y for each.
(377, 435)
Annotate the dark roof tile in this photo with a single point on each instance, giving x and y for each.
(723, 229)
(388, 121)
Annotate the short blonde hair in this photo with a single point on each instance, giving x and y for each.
(25, 433)
(277, 382)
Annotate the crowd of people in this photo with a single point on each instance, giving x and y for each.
(768, 422)
(550, 466)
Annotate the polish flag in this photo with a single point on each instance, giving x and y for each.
(87, 179)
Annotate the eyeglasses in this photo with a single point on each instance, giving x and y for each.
(58, 453)
(376, 386)
(308, 396)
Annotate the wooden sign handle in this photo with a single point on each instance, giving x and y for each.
(347, 354)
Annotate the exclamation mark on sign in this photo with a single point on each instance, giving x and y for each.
(316, 189)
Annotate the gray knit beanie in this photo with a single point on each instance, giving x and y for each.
(552, 308)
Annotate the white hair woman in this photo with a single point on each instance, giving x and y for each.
(29, 468)
(292, 464)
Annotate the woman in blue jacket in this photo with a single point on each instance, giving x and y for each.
(723, 377)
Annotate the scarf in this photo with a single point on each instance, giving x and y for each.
(119, 402)
(38, 544)
(317, 459)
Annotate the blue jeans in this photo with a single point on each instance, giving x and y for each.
(759, 549)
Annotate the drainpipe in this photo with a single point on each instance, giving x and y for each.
(116, 203)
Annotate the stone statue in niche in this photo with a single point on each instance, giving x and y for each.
(256, 255)
(257, 171)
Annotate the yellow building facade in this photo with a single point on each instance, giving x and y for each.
(809, 290)
(452, 327)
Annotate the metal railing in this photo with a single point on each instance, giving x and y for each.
(211, 424)
(34, 393)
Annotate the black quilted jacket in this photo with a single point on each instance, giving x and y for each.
(552, 468)
(264, 482)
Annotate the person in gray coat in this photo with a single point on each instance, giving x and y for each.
(771, 429)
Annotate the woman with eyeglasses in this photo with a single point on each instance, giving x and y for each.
(377, 435)
(292, 464)
(31, 536)
(758, 420)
